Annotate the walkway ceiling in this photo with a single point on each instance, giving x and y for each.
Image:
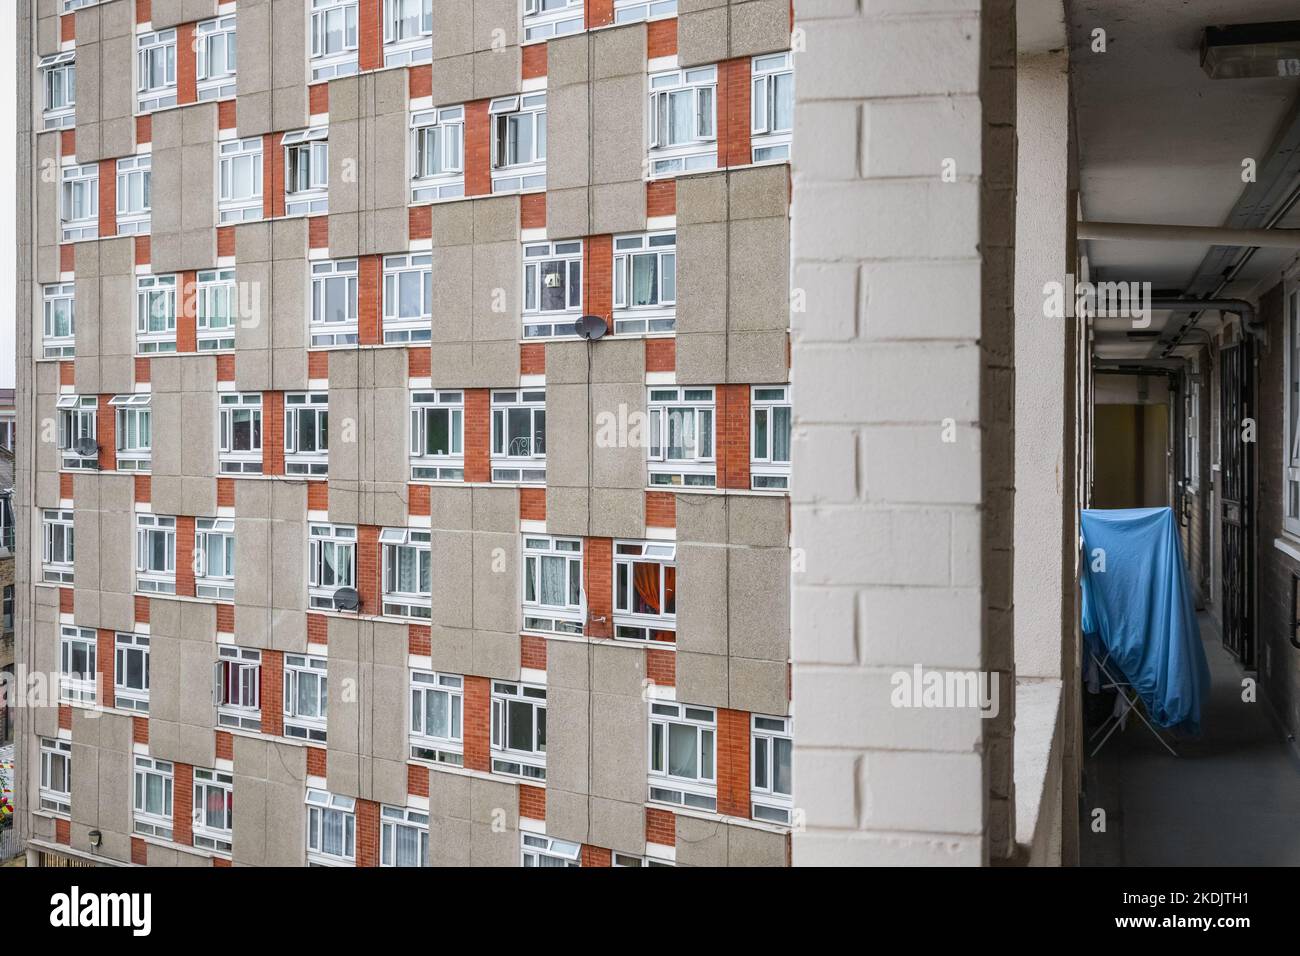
(1161, 142)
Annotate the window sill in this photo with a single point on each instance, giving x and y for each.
(1288, 545)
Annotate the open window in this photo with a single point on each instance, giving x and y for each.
(683, 121)
(59, 90)
(238, 687)
(518, 142)
(155, 70)
(214, 809)
(438, 154)
(214, 57)
(134, 414)
(645, 591)
(155, 561)
(407, 560)
(306, 172)
(306, 696)
(519, 730)
(438, 435)
(214, 558)
(78, 431)
(332, 563)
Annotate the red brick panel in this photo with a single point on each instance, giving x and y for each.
(183, 803)
(225, 746)
(142, 370)
(532, 358)
(532, 504)
(369, 320)
(226, 618)
(599, 13)
(661, 355)
(660, 509)
(143, 250)
(478, 149)
(226, 114)
(598, 277)
(225, 492)
(65, 716)
(367, 831)
(661, 667)
(419, 640)
(140, 730)
(68, 140)
(478, 435)
(226, 367)
(368, 568)
(532, 652)
(67, 28)
(478, 723)
(66, 484)
(139, 852)
(273, 433)
(272, 175)
(596, 856)
(370, 47)
(272, 693)
(534, 61)
(417, 780)
(187, 90)
(733, 436)
(660, 827)
(419, 362)
(317, 765)
(661, 38)
(62, 827)
(66, 604)
(105, 646)
(106, 423)
(318, 364)
(67, 258)
(532, 802)
(143, 489)
(318, 629)
(598, 581)
(532, 206)
(143, 11)
(733, 113)
(318, 232)
(107, 197)
(417, 500)
(225, 241)
(419, 81)
(141, 610)
(318, 496)
(67, 373)
(318, 98)
(184, 556)
(733, 763)
(219, 862)
(187, 314)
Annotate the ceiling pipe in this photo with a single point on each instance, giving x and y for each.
(1240, 306)
(1211, 235)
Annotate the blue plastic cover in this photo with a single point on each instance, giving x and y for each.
(1138, 607)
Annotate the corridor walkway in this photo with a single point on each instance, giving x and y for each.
(1232, 797)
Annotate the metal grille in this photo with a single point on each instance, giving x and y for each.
(1238, 480)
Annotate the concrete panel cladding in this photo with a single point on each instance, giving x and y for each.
(594, 169)
(476, 257)
(271, 82)
(476, 51)
(272, 278)
(104, 526)
(105, 108)
(368, 176)
(184, 457)
(183, 218)
(105, 297)
(182, 656)
(271, 582)
(713, 30)
(369, 462)
(170, 13)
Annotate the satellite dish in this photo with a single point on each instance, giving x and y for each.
(591, 327)
(346, 599)
(86, 447)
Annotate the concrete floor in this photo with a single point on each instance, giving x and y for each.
(1229, 798)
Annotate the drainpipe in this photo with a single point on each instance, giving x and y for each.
(1211, 235)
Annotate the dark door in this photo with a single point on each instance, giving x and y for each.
(1237, 404)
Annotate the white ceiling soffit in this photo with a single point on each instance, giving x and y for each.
(1159, 141)
(1040, 26)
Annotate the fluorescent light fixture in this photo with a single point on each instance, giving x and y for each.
(1252, 50)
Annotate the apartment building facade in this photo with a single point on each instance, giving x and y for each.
(342, 546)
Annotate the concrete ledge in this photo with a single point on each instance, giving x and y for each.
(1038, 772)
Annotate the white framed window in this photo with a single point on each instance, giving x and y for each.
(518, 142)
(627, 861)
(645, 591)
(407, 560)
(306, 172)
(214, 558)
(438, 154)
(70, 5)
(331, 829)
(239, 180)
(59, 90)
(239, 433)
(79, 202)
(134, 430)
(771, 747)
(214, 809)
(155, 314)
(56, 775)
(538, 850)
(131, 672)
(408, 298)
(60, 320)
(334, 302)
(238, 687)
(306, 433)
(645, 282)
(519, 435)
(1291, 454)
(214, 56)
(332, 559)
(437, 717)
(771, 107)
(683, 750)
(544, 19)
(633, 11)
(552, 287)
(438, 435)
(154, 784)
(155, 560)
(6, 548)
(133, 194)
(519, 730)
(769, 437)
(683, 131)
(333, 38)
(155, 60)
(1192, 430)
(215, 303)
(306, 696)
(553, 598)
(58, 551)
(78, 422)
(403, 836)
(78, 668)
(408, 32)
(681, 437)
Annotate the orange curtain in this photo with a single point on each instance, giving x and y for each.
(645, 578)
